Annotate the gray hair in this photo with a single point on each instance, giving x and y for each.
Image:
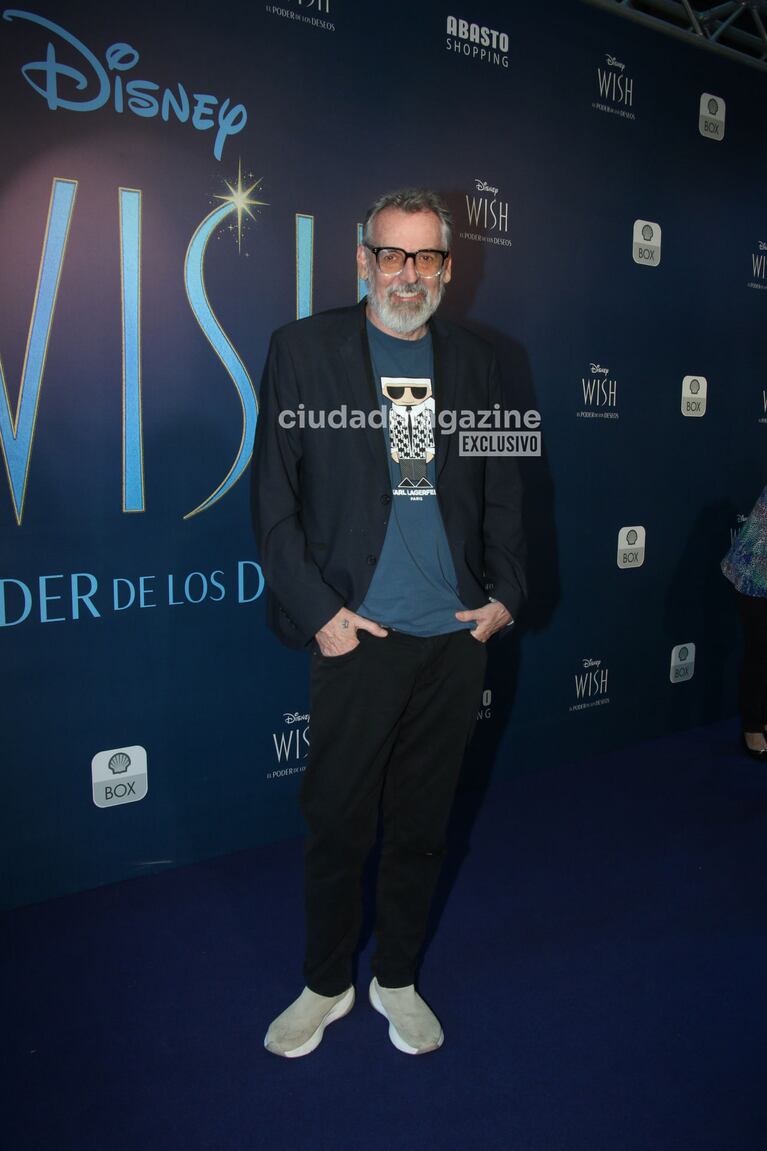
(412, 200)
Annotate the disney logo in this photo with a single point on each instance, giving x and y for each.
(290, 717)
(613, 63)
(592, 663)
(762, 246)
(483, 187)
(59, 84)
(596, 370)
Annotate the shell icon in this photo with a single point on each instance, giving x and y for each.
(119, 763)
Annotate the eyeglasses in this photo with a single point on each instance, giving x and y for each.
(396, 392)
(428, 262)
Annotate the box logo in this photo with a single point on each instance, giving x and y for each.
(682, 662)
(631, 547)
(119, 776)
(711, 116)
(647, 241)
(694, 391)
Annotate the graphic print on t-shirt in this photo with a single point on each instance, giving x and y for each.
(411, 432)
(414, 588)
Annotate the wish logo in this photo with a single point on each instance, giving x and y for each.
(487, 215)
(70, 76)
(615, 88)
(711, 116)
(313, 12)
(682, 662)
(17, 422)
(291, 745)
(647, 241)
(591, 685)
(119, 776)
(631, 547)
(694, 391)
(600, 394)
(759, 267)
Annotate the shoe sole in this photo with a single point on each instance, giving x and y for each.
(343, 1007)
(394, 1035)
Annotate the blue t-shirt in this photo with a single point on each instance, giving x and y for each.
(414, 588)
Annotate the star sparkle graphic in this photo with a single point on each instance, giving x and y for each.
(240, 197)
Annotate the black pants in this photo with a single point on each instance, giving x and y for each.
(390, 721)
(753, 670)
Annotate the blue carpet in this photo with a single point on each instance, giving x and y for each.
(599, 968)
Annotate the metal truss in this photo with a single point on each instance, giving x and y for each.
(735, 29)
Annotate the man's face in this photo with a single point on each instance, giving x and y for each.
(401, 304)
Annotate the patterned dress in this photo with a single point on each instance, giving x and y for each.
(745, 564)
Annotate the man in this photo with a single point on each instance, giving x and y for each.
(379, 547)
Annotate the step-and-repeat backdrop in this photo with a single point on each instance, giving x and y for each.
(177, 181)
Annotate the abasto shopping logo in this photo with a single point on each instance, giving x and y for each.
(479, 43)
(486, 707)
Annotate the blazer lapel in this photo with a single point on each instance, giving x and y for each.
(363, 393)
(445, 387)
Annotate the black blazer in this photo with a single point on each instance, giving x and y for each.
(321, 497)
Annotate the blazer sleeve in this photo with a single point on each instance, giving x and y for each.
(503, 536)
(289, 570)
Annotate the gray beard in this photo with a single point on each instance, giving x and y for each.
(404, 320)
